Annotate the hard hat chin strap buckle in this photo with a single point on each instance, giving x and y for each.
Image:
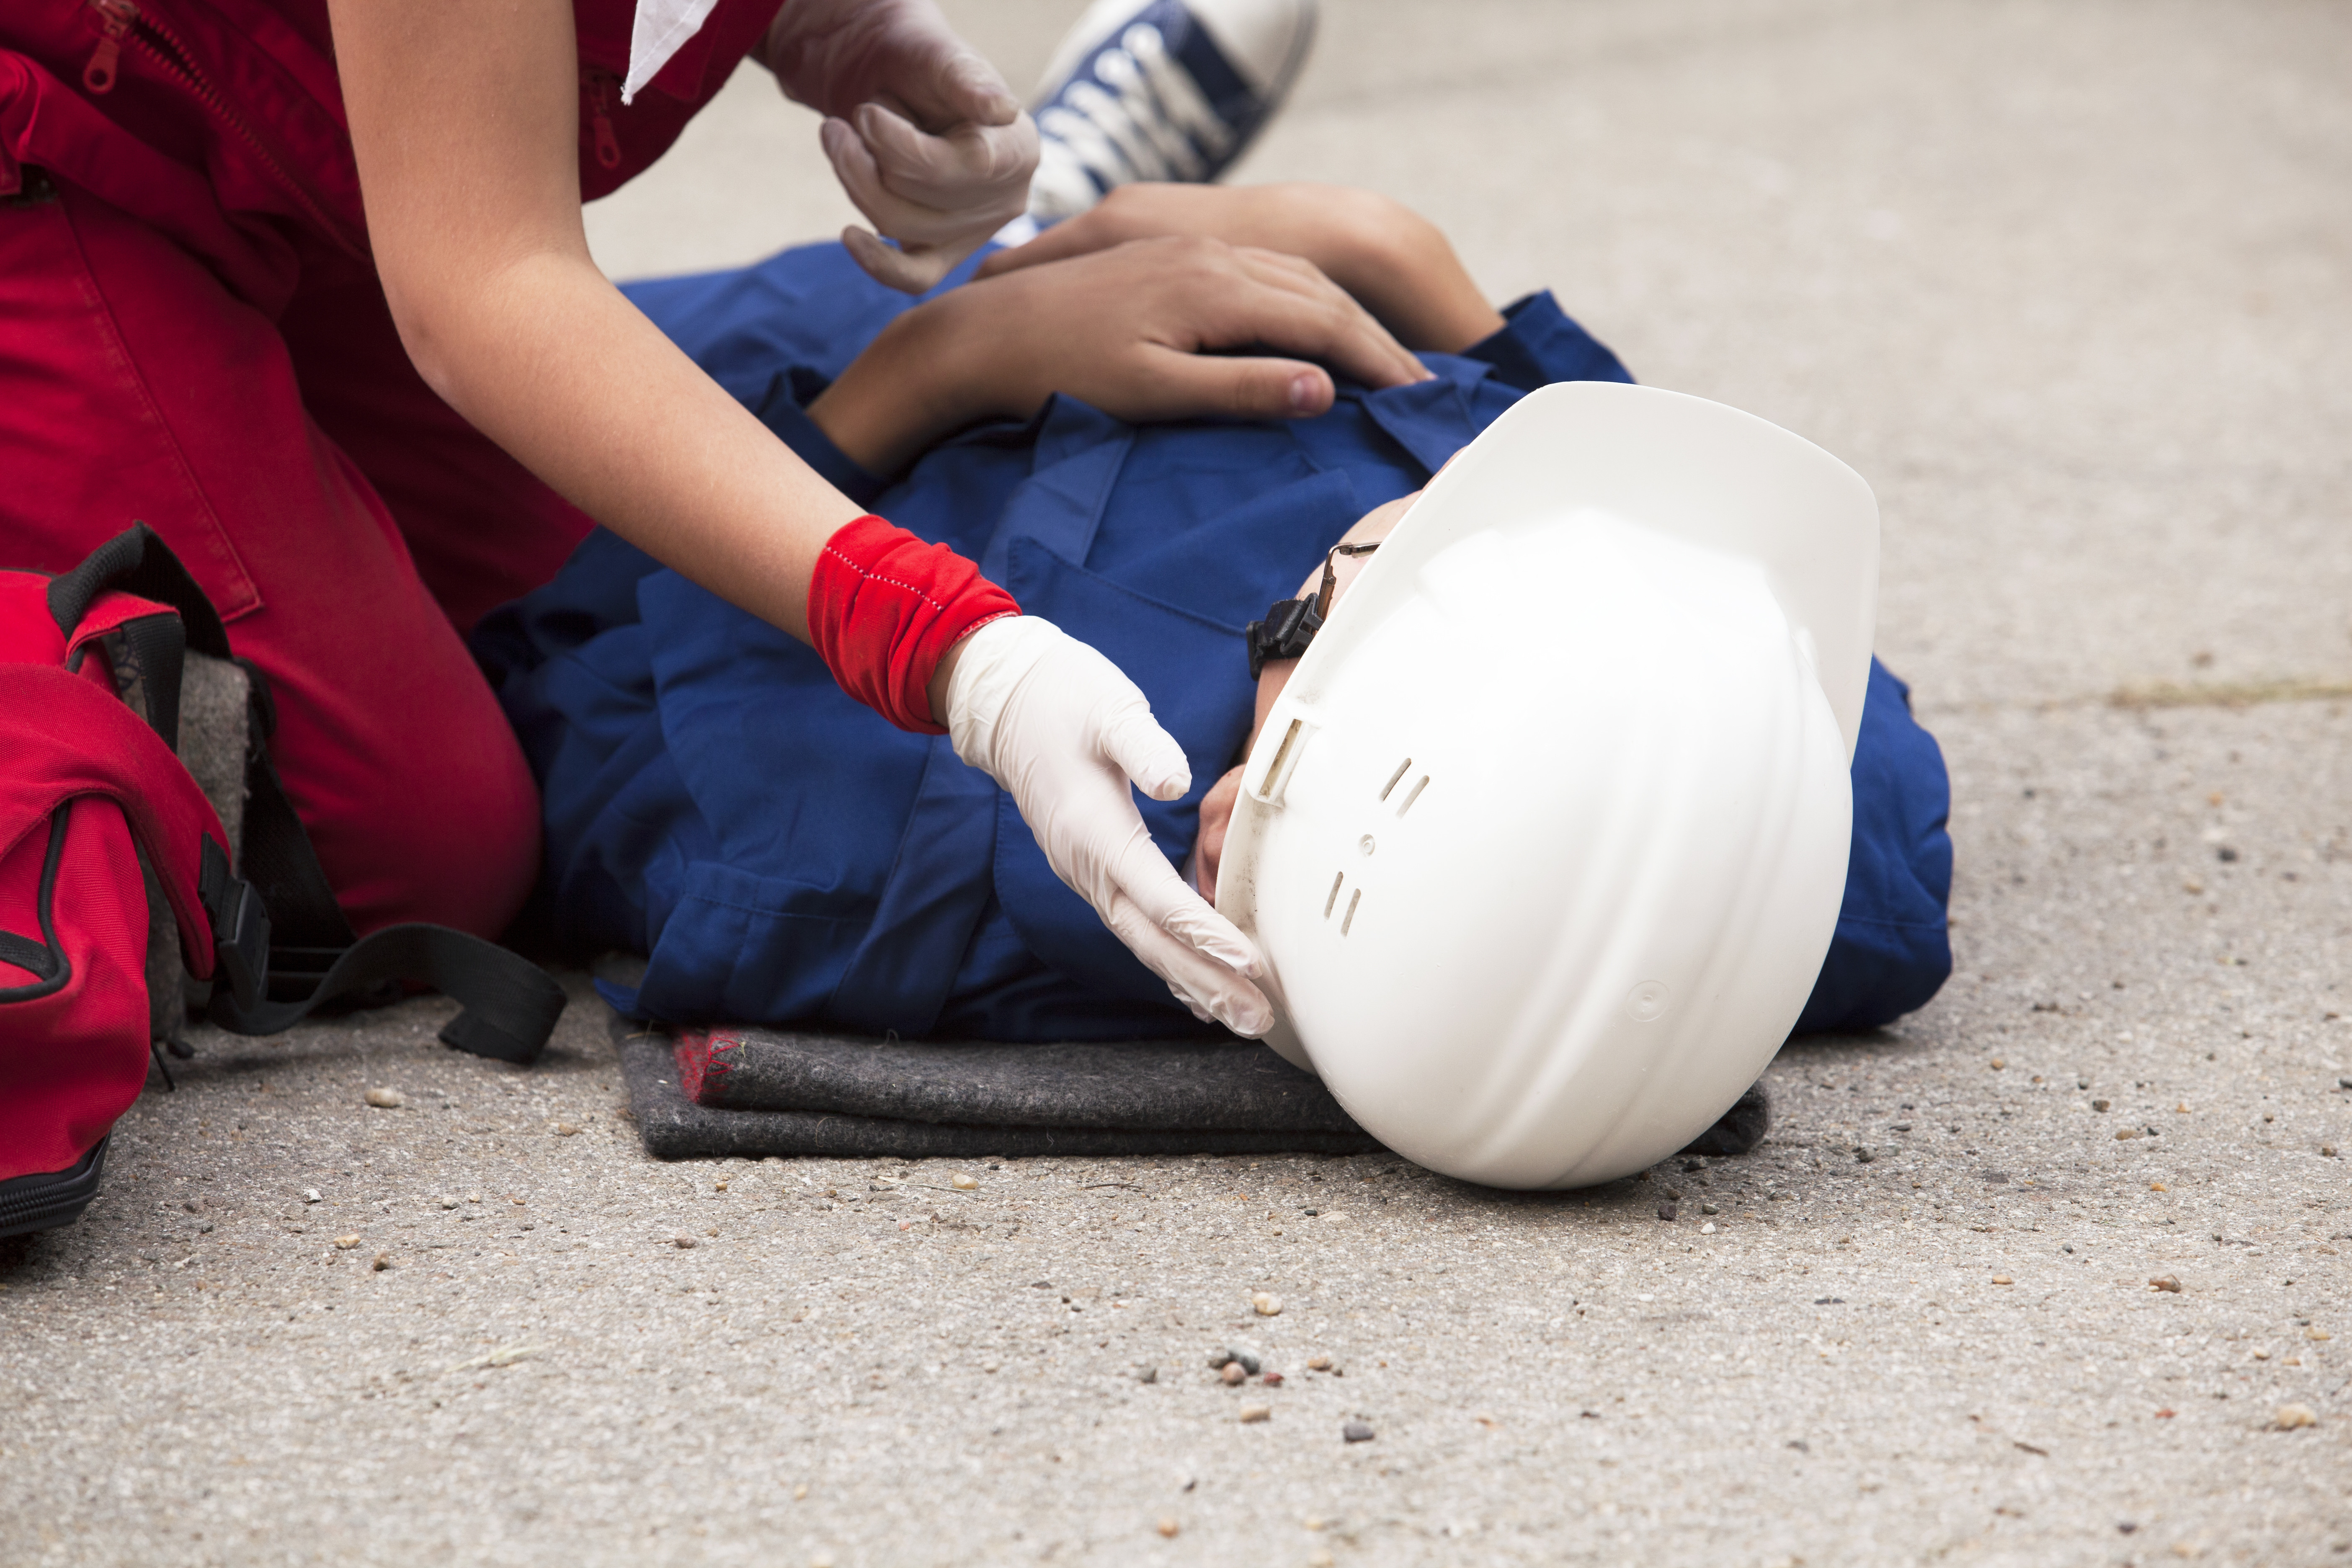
(1288, 629)
(1290, 624)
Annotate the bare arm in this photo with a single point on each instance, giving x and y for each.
(465, 120)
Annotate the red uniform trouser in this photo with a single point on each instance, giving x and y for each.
(346, 522)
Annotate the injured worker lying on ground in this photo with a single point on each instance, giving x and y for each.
(781, 855)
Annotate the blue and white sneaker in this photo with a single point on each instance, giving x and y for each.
(1169, 89)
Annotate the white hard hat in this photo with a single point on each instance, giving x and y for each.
(1546, 838)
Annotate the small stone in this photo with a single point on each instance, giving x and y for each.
(310, 1196)
(1168, 1526)
(1356, 1432)
(684, 1242)
(2317, 1334)
(2170, 1284)
(446, 1202)
(382, 1261)
(963, 1182)
(1667, 1211)
(2158, 1187)
(1998, 1064)
(2002, 1280)
(2225, 854)
(800, 1493)
(347, 1242)
(992, 1366)
(1314, 1522)
(1231, 1374)
(2100, 1104)
(1247, 1361)
(473, 1197)
(1708, 1208)
(2328, 1150)
(1218, 1358)
(1319, 1363)
(1267, 1305)
(1274, 1379)
(2181, 1109)
(386, 1098)
(565, 1130)
(1142, 1375)
(2292, 1416)
(2125, 1132)
(1707, 1229)
(1253, 1413)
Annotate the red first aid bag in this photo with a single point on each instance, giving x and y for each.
(119, 882)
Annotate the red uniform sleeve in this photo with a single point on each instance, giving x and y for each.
(883, 608)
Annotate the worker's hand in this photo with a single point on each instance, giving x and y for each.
(1133, 330)
(923, 132)
(1394, 260)
(1064, 731)
(1216, 826)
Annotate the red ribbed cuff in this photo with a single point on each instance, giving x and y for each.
(883, 608)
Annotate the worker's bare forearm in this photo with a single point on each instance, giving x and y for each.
(919, 380)
(465, 124)
(545, 357)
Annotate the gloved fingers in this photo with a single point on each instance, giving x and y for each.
(1132, 739)
(1202, 981)
(915, 269)
(953, 86)
(967, 169)
(1192, 1007)
(1137, 871)
(925, 202)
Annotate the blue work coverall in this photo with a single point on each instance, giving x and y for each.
(782, 855)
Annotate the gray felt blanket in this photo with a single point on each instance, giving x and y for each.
(753, 1092)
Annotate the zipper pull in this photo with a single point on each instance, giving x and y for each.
(600, 120)
(115, 18)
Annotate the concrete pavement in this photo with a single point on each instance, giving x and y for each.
(2068, 283)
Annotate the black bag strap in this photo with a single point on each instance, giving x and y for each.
(509, 1004)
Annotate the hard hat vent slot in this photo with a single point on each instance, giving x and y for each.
(1286, 761)
(1329, 902)
(1414, 796)
(1394, 776)
(1350, 918)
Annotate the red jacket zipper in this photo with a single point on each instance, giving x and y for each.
(114, 16)
(600, 120)
(121, 20)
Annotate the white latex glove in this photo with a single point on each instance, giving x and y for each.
(1059, 726)
(924, 135)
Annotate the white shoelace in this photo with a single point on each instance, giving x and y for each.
(1158, 127)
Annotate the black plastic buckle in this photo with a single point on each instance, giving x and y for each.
(1288, 627)
(240, 926)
